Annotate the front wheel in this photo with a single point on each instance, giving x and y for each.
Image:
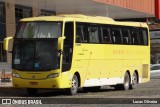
(74, 89)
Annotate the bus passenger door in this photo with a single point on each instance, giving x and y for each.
(68, 46)
(67, 54)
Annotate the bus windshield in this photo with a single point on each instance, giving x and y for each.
(39, 30)
(35, 55)
(36, 46)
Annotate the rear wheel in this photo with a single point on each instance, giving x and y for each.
(74, 89)
(134, 81)
(32, 91)
(126, 83)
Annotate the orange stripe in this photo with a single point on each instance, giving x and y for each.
(146, 6)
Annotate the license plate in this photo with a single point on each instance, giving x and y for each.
(33, 83)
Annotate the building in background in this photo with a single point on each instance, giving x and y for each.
(11, 11)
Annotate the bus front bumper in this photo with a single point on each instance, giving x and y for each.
(45, 83)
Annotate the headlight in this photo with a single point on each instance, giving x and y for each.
(53, 75)
(16, 75)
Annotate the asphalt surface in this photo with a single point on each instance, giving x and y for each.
(147, 90)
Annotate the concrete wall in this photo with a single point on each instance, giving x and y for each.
(35, 8)
(10, 22)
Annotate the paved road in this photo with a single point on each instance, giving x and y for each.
(147, 90)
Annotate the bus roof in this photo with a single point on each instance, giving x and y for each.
(84, 18)
(62, 17)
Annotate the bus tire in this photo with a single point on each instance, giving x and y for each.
(32, 91)
(134, 81)
(74, 89)
(126, 83)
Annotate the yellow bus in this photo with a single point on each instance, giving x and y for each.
(78, 51)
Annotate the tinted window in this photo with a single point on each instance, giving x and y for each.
(126, 35)
(81, 33)
(111, 34)
(116, 35)
(135, 36)
(93, 34)
(105, 35)
(143, 37)
(68, 46)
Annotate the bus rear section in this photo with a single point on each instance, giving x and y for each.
(115, 54)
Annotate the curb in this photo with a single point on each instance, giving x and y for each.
(6, 85)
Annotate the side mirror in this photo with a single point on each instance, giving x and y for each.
(8, 44)
(60, 42)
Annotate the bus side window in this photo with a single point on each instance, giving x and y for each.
(135, 37)
(126, 35)
(106, 35)
(93, 34)
(116, 35)
(79, 34)
(143, 37)
(86, 33)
